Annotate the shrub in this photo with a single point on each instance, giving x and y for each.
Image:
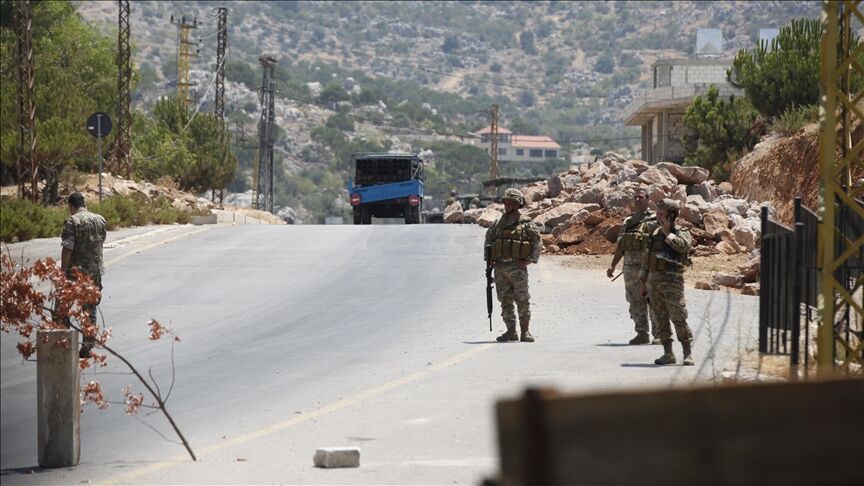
(794, 118)
(24, 220)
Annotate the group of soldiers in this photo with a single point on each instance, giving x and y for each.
(654, 253)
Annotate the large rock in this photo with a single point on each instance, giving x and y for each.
(566, 182)
(535, 192)
(562, 213)
(727, 280)
(616, 199)
(487, 217)
(705, 189)
(655, 193)
(698, 201)
(610, 228)
(554, 185)
(701, 285)
(746, 236)
(471, 216)
(679, 193)
(658, 177)
(595, 217)
(725, 188)
(715, 221)
(749, 270)
(610, 157)
(453, 213)
(592, 195)
(691, 214)
(596, 173)
(624, 174)
(685, 175)
(750, 289)
(727, 248)
(639, 165)
(572, 235)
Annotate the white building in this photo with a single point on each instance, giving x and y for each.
(519, 148)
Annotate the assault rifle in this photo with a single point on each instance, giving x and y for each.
(487, 255)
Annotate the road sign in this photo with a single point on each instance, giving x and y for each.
(99, 124)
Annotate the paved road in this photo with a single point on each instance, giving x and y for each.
(298, 337)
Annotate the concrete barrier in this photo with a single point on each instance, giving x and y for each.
(59, 402)
(332, 457)
(208, 219)
(782, 433)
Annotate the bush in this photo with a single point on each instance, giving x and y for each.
(795, 118)
(136, 210)
(23, 220)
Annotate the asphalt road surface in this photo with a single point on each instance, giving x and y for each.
(299, 337)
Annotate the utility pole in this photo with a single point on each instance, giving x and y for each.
(184, 56)
(26, 97)
(123, 141)
(493, 148)
(219, 103)
(266, 126)
(221, 47)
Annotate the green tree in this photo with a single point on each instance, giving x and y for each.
(332, 93)
(605, 63)
(718, 131)
(784, 75)
(526, 42)
(76, 76)
(340, 121)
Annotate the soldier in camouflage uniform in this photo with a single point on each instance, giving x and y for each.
(662, 277)
(631, 245)
(513, 242)
(82, 240)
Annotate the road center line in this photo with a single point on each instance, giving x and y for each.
(326, 410)
(153, 245)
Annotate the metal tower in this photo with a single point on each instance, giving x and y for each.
(493, 147)
(266, 129)
(221, 47)
(841, 238)
(184, 56)
(123, 140)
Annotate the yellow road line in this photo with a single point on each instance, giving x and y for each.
(153, 245)
(326, 410)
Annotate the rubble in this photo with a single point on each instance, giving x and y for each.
(581, 211)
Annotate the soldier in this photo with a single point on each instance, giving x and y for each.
(513, 243)
(630, 246)
(450, 200)
(82, 240)
(662, 278)
(475, 203)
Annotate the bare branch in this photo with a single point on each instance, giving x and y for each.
(173, 374)
(154, 429)
(158, 391)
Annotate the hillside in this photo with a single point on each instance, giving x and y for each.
(410, 73)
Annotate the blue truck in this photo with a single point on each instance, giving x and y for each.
(386, 186)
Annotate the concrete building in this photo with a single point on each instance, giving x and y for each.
(519, 148)
(659, 111)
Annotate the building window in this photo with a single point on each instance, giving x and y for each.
(535, 153)
(520, 152)
(551, 154)
(502, 151)
(484, 138)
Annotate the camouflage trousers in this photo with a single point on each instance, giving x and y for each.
(639, 309)
(91, 308)
(511, 284)
(666, 291)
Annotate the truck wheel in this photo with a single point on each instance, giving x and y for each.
(365, 215)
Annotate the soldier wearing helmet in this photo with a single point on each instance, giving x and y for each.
(662, 278)
(513, 242)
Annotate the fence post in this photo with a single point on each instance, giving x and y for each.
(57, 395)
(797, 249)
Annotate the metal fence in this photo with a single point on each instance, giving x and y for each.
(789, 275)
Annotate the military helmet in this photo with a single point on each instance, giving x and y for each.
(669, 204)
(515, 195)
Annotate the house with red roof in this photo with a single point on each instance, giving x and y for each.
(519, 148)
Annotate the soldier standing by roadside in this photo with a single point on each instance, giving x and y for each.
(512, 243)
(662, 278)
(631, 245)
(82, 240)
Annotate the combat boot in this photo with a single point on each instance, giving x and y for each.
(641, 338)
(509, 336)
(688, 359)
(656, 340)
(668, 356)
(527, 337)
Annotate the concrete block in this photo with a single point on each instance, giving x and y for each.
(208, 219)
(58, 400)
(332, 457)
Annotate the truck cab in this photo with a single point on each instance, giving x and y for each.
(386, 186)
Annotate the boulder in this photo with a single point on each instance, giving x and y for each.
(705, 189)
(658, 177)
(534, 193)
(715, 221)
(639, 166)
(616, 199)
(554, 185)
(487, 217)
(728, 237)
(735, 206)
(707, 286)
(595, 217)
(624, 174)
(453, 213)
(725, 188)
(562, 213)
(559, 183)
(470, 216)
(746, 236)
(750, 289)
(702, 251)
(749, 270)
(655, 193)
(679, 193)
(610, 228)
(592, 195)
(727, 280)
(691, 214)
(596, 173)
(685, 175)
(726, 248)
(698, 201)
(702, 237)
(573, 235)
(610, 157)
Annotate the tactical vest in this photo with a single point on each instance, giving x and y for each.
(632, 238)
(512, 243)
(662, 257)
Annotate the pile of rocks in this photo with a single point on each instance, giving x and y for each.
(581, 211)
(114, 184)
